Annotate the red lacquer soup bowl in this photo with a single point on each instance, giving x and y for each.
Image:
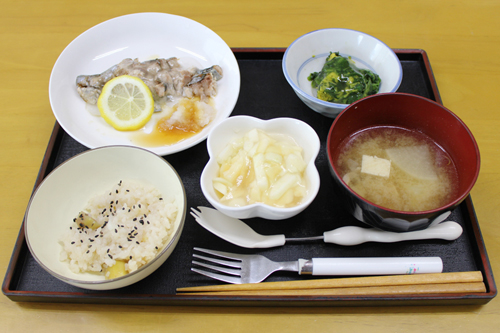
(417, 115)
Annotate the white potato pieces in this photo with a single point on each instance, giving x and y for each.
(261, 167)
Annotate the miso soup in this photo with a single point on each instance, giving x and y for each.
(397, 168)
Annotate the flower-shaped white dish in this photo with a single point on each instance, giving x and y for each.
(144, 36)
(308, 53)
(67, 190)
(236, 127)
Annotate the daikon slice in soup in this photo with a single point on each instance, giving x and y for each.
(397, 168)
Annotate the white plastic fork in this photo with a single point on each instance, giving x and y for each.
(239, 233)
(248, 268)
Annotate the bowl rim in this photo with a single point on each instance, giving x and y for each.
(439, 209)
(297, 89)
(72, 281)
(259, 205)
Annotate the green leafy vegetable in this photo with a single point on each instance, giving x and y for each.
(339, 81)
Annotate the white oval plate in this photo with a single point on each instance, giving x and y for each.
(144, 36)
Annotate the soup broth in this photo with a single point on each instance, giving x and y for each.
(397, 168)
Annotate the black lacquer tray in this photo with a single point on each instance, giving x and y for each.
(264, 94)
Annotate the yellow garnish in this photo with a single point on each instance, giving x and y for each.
(126, 103)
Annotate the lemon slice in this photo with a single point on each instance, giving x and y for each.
(126, 103)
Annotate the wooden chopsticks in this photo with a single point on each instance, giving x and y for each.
(459, 282)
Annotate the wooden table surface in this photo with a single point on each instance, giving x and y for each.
(461, 37)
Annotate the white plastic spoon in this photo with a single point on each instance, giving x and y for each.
(239, 233)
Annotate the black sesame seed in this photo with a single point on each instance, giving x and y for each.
(87, 251)
(109, 255)
(81, 241)
(130, 257)
(137, 242)
(72, 242)
(116, 231)
(156, 247)
(161, 198)
(135, 219)
(90, 246)
(116, 191)
(127, 190)
(139, 205)
(74, 220)
(120, 246)
(107, 251)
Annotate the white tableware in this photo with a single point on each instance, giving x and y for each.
(239, 233)
(308, 53)
(144, 36)
(236, 127)
(68, 188)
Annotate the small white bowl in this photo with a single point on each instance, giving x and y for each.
(235, 127)
(67, 189)
(308, 53)
(144, 36)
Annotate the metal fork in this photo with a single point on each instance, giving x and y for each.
(246, 268)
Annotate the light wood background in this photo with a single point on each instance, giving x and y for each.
(461, 37)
